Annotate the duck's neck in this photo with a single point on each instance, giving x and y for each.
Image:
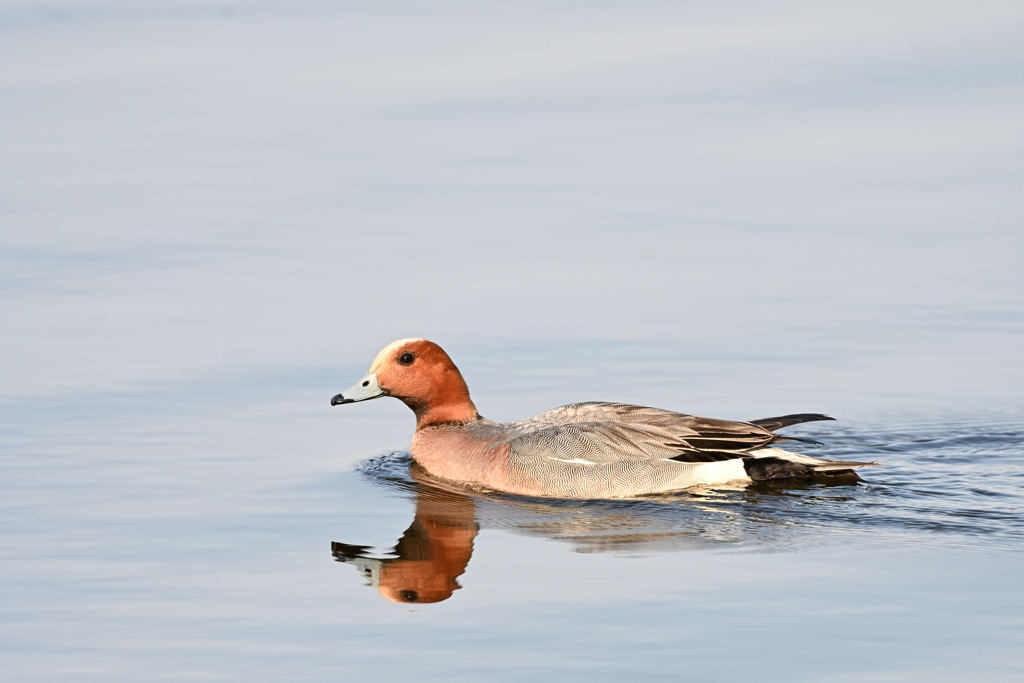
(447, 405)
(446, 414)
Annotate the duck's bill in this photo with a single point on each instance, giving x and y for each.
(364, 390)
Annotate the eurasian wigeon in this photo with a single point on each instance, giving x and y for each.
(583, 450)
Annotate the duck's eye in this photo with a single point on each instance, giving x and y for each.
(406, 359)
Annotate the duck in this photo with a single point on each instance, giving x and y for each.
(590, 450)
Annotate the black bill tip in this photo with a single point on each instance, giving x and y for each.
(339, 399)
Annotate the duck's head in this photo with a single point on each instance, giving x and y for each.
(420, 374)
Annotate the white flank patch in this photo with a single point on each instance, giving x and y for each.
(574, 461)
(721, 472)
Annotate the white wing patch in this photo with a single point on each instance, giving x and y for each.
(575, 461)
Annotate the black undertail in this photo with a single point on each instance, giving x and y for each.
(763, 469)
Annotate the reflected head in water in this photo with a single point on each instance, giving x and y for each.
(431, 554)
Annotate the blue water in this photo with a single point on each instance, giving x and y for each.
(212, 216)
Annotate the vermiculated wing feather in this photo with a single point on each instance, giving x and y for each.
(598, 450)
(606, 432)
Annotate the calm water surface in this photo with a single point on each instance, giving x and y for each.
(213, 216)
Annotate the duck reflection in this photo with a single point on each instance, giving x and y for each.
(435, 550)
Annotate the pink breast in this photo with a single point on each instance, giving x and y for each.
(453, 454)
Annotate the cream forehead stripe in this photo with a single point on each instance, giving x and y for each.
(386, 351)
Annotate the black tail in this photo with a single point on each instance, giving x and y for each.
(773, 423)
(802, 439)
